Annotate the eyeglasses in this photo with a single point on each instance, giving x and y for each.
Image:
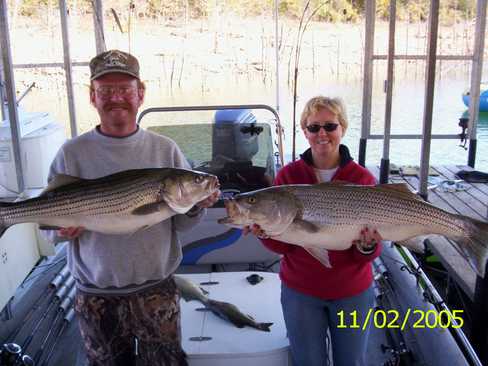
(122, 91)
(328, 127)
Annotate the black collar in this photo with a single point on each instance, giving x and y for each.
(345, 156)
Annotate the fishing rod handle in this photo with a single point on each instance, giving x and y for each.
(65, 287)
(70, 315)
(60, 277)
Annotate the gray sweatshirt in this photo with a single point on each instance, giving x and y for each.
(121, 264)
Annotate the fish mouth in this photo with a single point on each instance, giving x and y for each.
(214, 184)
(235, 213)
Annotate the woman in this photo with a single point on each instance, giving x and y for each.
(312, 295)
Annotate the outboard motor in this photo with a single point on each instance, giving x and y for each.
(234, 135)
(234, 144)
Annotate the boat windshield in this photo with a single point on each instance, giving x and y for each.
(239, 153)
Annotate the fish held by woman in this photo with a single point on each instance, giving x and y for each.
(329, 216)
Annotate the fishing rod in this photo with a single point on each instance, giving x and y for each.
(62, 310)
(57, 280)
(60, 293)
(433, 296)
(66, 320)
(11, 355)
(396, 344)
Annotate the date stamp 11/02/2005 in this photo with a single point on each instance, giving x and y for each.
(414, 318)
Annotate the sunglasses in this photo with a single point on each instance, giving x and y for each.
(328, 127)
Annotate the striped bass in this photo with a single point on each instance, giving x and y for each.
(120, 203)
(329, 216)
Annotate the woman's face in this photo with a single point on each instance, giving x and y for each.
(323, 142)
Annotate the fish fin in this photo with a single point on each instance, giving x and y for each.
(60, 180)
(320, 254)
(141, 229)
(264, 326)
(476, 244)
(401, 188)
(416, 243)
(335, 183)
(205, 292)
(48, 227)
(306, 226)
(148, 209)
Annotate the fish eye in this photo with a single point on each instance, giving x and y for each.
(251, 200)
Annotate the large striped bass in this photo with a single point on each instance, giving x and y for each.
(329, 216)
(120, 203)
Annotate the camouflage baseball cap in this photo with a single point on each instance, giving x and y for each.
(113, 61)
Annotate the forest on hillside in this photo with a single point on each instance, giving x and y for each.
(327, 10)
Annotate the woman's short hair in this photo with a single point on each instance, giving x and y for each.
(318, 103)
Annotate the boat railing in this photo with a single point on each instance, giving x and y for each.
(279, 128)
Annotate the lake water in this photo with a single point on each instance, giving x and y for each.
(407, 113)
(407, 117)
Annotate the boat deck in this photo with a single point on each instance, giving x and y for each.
(472, 202)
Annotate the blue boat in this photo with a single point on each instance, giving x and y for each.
(483, 97)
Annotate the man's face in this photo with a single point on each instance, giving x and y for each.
(117, 98)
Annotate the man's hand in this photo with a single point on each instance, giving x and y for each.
(368, 240)
(70, 233)
(256, 230)
(209, 201)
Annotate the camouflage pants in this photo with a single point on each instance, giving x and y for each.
(137, 329)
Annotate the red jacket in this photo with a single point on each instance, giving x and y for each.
(351, 271)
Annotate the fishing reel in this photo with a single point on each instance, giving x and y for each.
(11, 355)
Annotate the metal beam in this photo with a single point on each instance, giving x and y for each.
(424, 57)
(48, 64)
(3, 98)
(385, 160)
(277, 55)
(99, 28)
(67, 67)
(476, 72)
(10, 91)
(367, 79)
(429, 97)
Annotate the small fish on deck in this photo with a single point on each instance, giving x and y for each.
(224, 310)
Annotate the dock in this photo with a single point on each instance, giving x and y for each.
(471, 201)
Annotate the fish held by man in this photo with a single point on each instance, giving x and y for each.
(329, 216)
(120, 203)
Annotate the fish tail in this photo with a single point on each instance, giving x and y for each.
(476, 244)
(264, 326)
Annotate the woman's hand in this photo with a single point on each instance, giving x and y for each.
(70, 233)
(368, 240)
(256, 230)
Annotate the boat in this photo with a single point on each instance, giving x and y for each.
(483, 97)
(239, 147)
(37, 322)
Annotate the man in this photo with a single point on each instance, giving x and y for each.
(127, 303)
